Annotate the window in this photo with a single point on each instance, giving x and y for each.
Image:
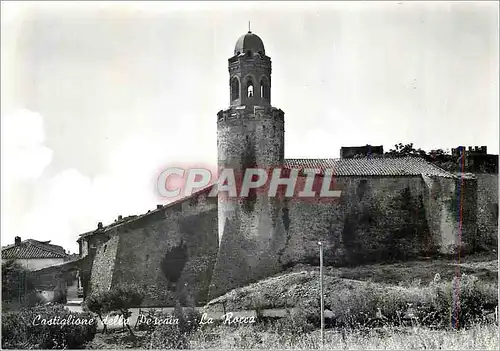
(235, 88)
(249, 86)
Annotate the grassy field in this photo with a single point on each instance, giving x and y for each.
(349, 293)
(480, 337)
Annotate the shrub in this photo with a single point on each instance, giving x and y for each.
(353, 308)
(167, 336)
(25, 328)
(460, 302)
(191, 320)
(185, 321)
(298, 321)
(119, 299)
(432, 305)
(248, 338)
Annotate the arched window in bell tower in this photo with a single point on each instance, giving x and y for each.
(235, 88)
(249, 85)
(264, 88)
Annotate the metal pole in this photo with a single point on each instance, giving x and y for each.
(321, 294)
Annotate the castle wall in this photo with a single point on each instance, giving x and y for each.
(168, 253)
(375, 219)
(487, 213)
(105, 262)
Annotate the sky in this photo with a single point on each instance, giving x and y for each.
(97, 98)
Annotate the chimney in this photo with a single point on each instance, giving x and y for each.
(99, 225)
(17, 240)
(158, 207)
(120, 217)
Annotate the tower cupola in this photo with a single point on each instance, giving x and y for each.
(250, 73)
(249, 42)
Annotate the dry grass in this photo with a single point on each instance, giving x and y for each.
(480, 337)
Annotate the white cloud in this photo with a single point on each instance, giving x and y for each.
(24, 155)
(70, 203)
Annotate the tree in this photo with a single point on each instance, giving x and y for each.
(97, 302)
(401, 150)
(118, 299)
(17, 285)
(439, 157)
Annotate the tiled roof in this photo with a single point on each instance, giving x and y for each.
(382, 166)
(32, 249)
(373, 166)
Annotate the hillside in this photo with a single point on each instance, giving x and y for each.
(300, 284)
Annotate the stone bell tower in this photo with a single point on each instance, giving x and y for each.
(250, 134)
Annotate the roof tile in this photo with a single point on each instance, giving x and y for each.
(32, 249)
(373, 166)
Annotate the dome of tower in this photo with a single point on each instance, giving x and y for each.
(249, 42)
